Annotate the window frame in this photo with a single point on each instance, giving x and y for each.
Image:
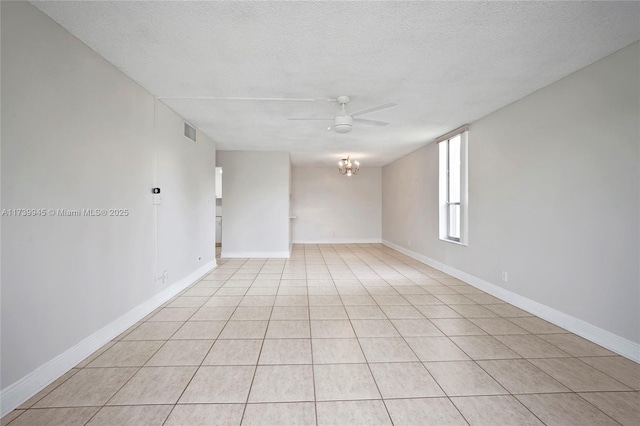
(445, 210)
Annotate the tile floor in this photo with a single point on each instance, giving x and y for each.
(340, 335)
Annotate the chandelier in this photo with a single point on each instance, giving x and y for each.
(347, 167)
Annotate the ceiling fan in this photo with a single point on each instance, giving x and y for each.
(343, 122)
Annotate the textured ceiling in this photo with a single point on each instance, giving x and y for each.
(444, 63)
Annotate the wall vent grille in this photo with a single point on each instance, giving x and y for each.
(190, 132)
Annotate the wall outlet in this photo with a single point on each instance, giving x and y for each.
(163, 278)
(505, 276)
(409, 242)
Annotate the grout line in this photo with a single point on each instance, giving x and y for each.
(255, 371)
(313, 368)
(373, 377)
(46, 394)
(421, 362)
(200, 365)
(139, 368)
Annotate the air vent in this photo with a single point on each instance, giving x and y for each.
(190, 132)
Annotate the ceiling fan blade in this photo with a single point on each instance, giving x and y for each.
(310, 118)
(373, 109)
(373, 122)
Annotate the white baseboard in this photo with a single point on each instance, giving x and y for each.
(17, 393)
(607, 339)
(341, 241)
(254, 254)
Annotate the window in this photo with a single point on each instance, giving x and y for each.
(453, 186)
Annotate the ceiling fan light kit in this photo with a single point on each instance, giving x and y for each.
(343, 123)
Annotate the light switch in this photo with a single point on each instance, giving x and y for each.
(156, 199)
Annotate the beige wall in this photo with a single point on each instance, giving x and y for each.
(77, 133)
(332, 208)
(255, 203)
(553, 197)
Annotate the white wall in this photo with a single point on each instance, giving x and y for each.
(255, 221)
(332, 208)
(186, 217)
(553, 197)
(77, 133)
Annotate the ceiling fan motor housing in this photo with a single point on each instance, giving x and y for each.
(343, 123)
